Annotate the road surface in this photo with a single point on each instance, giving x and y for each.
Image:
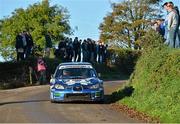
(32, 105)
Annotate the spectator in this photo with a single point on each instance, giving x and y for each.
(172, 23)
(161, 27)
(41, 69)
(61, 51)
(69, 50)
(24, 39)
(77, 49)
(95, 51)
(19, 47)
(105, 53)
(48, 44)
(178, 32)
(85, 50)
(101, 52)
(30, 44)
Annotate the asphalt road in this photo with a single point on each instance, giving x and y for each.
(32, 105)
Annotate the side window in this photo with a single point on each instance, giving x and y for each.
(58, 73)
(92, 73)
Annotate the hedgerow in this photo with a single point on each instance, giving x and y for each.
(156, 81)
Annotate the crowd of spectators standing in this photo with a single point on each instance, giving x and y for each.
(76, 50)
(24, 44)
(169, 27)
(68, 49)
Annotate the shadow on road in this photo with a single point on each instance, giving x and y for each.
(118, 95)
(25, 101)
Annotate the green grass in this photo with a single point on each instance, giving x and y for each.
(156, 82)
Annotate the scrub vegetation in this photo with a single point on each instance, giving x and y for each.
(155, 81)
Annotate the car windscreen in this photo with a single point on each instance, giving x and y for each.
(75, 73)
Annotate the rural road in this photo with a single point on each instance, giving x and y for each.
(32, 105)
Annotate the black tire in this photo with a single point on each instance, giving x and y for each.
(52, 101)
(100, 101)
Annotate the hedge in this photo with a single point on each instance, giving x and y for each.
(123, 59)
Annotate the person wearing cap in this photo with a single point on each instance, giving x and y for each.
(172, 23)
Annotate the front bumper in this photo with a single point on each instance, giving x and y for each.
(86, 95)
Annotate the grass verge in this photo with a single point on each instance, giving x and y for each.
(156, 82)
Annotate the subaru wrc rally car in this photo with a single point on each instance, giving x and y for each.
(76, 82)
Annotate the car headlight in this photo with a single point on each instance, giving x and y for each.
(52, 81)
(96, 86)
(58, 86)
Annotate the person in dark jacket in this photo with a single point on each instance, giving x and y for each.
(69, 50)
(77, 50)
(161, 27)
(101, 49)
(95, 51)
(89, 49)
(30, 44)
(19, 47)
(48, 44)
(177, 44)
(85, 51)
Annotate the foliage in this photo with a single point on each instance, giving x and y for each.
(38, 19)
(110, 72)
(129, 21)
(123, 59)
(156, 81)
(16, 74)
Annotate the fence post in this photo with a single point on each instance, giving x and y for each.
(30, 74)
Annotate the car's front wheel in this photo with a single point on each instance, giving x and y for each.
(100, 101)
(53, 101)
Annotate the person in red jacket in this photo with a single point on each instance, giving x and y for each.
(41, 69)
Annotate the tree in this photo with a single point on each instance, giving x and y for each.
(38, 19)
(129, 21)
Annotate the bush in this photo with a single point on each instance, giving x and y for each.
(124, 59)
(16, 74)
(13, 74)
(110, 72)
(156, 81)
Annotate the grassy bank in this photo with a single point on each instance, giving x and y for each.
(155, 82)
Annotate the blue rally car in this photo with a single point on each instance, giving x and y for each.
(76, 82)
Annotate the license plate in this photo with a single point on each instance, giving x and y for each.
(77, 91)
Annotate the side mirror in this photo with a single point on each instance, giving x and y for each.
(99, 74)
(52, 76)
